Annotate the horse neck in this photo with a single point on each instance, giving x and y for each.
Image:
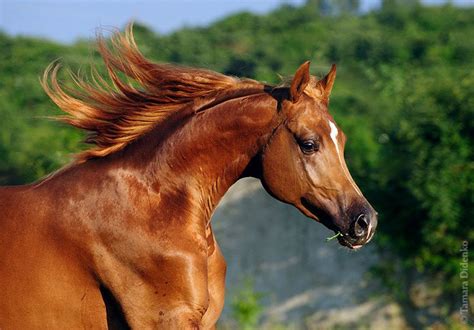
(199, 161)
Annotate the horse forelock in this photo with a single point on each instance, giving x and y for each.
(138, 96)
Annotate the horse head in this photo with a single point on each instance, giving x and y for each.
(303, 162)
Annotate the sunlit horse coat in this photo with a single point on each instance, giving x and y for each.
(122, 236)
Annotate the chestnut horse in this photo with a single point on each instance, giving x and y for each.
(122, 236)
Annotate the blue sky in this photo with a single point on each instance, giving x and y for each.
(67, 20)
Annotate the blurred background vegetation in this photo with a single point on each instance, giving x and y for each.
(404, 96)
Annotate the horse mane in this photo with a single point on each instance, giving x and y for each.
(139, 96)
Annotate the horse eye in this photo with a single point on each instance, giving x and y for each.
(309, 146)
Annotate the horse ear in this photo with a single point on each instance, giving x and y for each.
(325, 84)
(300, 81)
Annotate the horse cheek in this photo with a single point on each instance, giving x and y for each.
(281, 168)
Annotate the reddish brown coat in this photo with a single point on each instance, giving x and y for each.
(123, 235)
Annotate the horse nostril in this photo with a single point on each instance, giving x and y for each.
(360, 225)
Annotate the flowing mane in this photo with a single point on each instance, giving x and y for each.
(126, 240)
(119, 112)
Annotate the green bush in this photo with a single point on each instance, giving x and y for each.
(247, 306)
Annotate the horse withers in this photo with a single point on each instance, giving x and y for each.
(122, 236)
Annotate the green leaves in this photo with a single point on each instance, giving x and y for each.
(247, 306)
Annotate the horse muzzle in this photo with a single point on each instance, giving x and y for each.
(355, 226)
(360, 230)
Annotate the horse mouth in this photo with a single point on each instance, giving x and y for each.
(345, 239)
(344, 242)
(327, 221)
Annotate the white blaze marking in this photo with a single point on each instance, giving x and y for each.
(333, 135)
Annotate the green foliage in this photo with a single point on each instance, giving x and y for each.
(404, 96)
(30, 145)
(429, 164)
(247, 307)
